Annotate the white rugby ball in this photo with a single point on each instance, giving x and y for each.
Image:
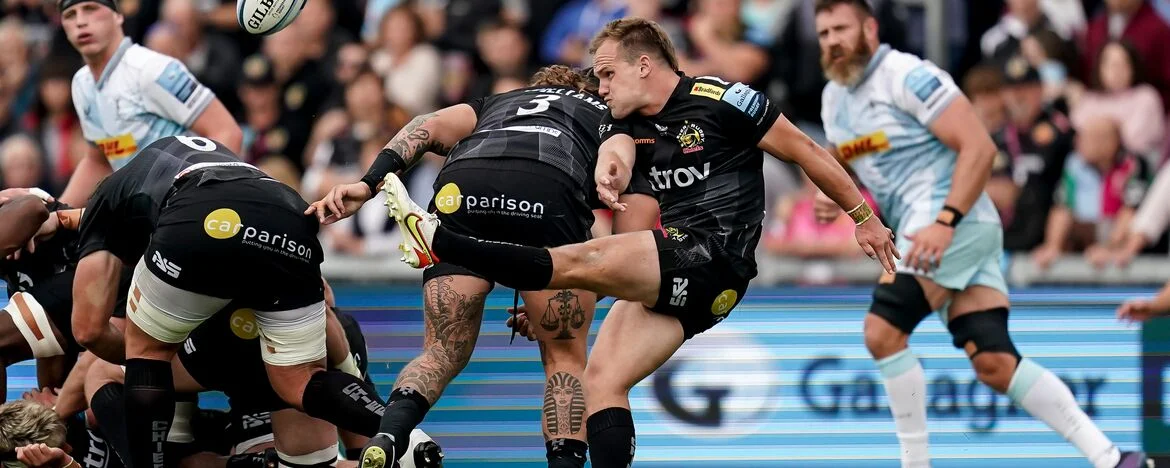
(267, 16)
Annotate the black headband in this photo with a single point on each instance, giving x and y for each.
(66, 4)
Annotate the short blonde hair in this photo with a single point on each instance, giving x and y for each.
(637, 37)
(24, 422)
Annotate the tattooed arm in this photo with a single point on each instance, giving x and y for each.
(436, 132)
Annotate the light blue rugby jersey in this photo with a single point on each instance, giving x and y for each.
(141, 96)
(880, 127)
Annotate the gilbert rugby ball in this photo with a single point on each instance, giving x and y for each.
(267, 16)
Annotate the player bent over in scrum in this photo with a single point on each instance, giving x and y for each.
(260, 417)
(518, 167)
(698, 141)
(206, 230)
(914, 140)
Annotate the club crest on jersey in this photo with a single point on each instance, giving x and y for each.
(864, 146)
(690, 138)
(706, 90)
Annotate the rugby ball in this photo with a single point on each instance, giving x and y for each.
(265, 17)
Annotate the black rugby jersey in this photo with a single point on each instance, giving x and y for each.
(700, 156)
(52, 256)
(124, 209)
(553, 125)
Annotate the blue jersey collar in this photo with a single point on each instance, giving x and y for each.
(873, 64)
(114, 60)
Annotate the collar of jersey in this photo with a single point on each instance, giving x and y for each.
(114, 60)
(873, 64)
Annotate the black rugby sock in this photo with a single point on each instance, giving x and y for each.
(406, 411)
(516, 266)
(566, 453)
(345, 401)
(109, 407)
(150, 408)
(611, 438)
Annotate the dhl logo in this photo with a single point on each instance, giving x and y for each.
(118, 147)
(863, 146)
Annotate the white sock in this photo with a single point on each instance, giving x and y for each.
(1047, 398)
(905, 384)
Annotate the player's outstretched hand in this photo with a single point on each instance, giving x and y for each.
(341, 202)
(11, 193)
(518, 320)
(42, 456)
(611, 180)
(877, 241)
(1138, 310)
(929, 244)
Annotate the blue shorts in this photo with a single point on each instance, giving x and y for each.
(975, 258)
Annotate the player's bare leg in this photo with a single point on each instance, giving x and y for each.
(978, 319)
(624, 266)
(560, 320)
(452, 313)
(633, 342)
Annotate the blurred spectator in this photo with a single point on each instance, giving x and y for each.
(304, 91)
(1023, 18)
(453, 23)
(410, 66)
(53, 120)
(212, 58)
(280, 169)
(20, 162)
(1147, 232)
(794, 230)
(322, 38)
(367, 118)
(505, 51)
(1121, 93)
(1102, 187)
(37, 18)
(267, 130)
(1036, 140)
(164, 39)
(983, 86)
(17, 82)
(718, 46)
(566, 41)
(1047, 53)
(1137, 22)
(1066, 17)
(763, 20)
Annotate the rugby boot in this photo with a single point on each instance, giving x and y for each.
(379, 452)
(1135, 459)
(417, 226)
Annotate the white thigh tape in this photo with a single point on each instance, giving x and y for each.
(30, 319)
(181, 430)
(324, 457)
(247, 445)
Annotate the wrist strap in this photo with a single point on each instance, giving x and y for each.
(860, 213)
(388, 161)
(949, 216)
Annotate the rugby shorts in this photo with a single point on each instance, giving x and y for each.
(700, 285)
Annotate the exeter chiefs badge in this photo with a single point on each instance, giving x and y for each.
(564, 312)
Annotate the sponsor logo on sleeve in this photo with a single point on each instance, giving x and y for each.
(175, 79)
(922, 83)
(708, 90)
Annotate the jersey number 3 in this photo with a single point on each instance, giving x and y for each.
(541, 104)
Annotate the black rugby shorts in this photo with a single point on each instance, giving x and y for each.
(699, 284)
(519, 201)
(247, 240)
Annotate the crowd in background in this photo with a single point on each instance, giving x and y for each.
(1074, 92)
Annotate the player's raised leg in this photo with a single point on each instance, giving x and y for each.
(560, 321)
(632, 343)
(900, 302)
(452, 312)
(624, 266)
(978, 321)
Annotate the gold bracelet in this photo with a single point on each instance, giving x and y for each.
(861, 213)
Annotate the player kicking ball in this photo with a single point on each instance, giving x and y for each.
(699, 142)
(907, 130)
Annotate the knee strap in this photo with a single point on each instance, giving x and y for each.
(985, 330)
(901, 302)
(322, 458)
